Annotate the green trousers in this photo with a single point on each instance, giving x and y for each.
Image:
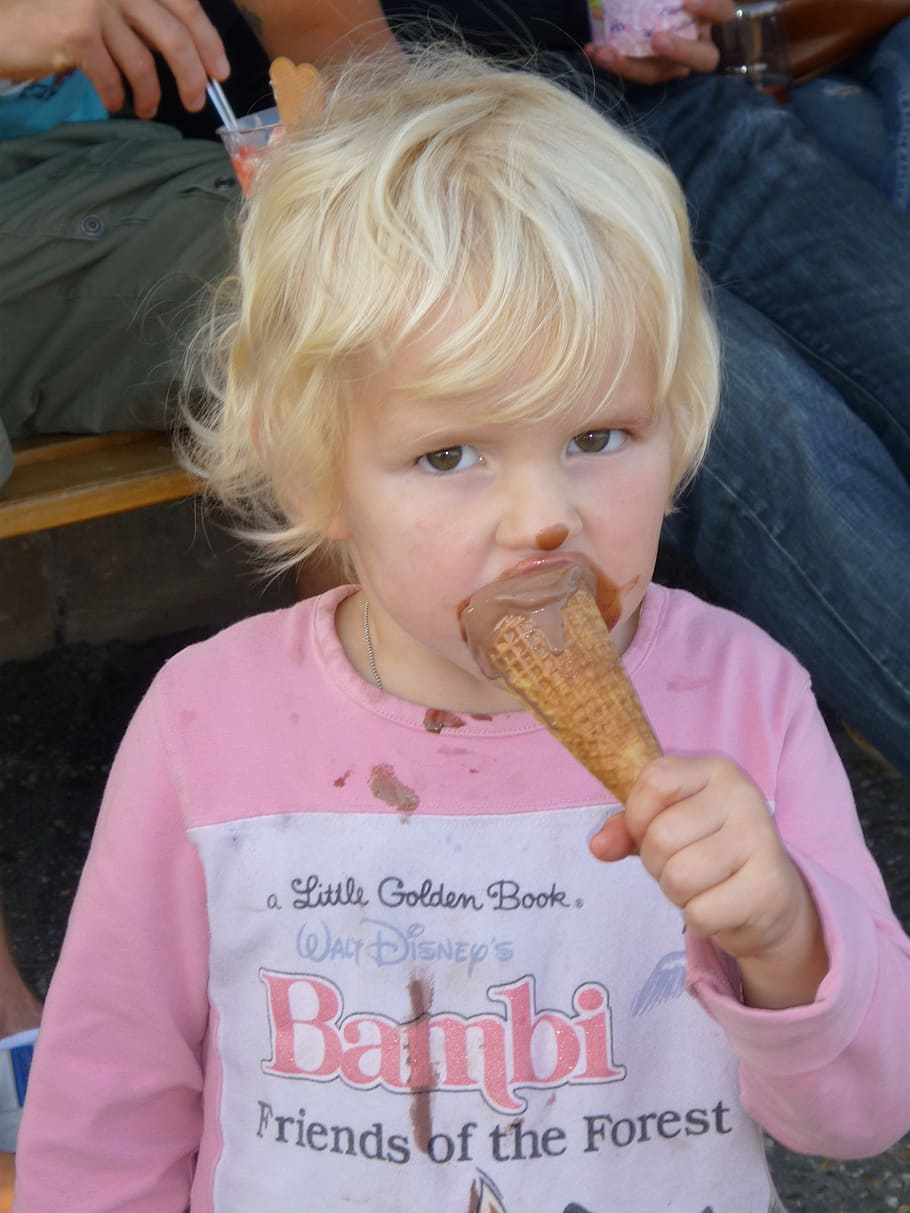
(109, 234)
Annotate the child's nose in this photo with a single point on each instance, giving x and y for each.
(537, 515)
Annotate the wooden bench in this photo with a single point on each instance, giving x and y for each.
(61, 479)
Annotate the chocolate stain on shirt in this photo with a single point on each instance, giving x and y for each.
(420, 990)
(385, 785)
(438, 719)
(342, 779)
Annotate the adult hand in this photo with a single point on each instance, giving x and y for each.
(704, 832)
(112, 41)
(673, 56)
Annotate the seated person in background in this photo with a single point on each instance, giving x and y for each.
(467, 339)
(800, 517)
(110, 227)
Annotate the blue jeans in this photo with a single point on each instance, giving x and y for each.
(788, 228)
(800, 520)
(801, 517)
(862, 113)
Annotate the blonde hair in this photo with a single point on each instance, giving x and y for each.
(487, 208)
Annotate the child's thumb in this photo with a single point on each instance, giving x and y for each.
(613, 840)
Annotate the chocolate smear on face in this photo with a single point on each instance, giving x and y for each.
(551, 537)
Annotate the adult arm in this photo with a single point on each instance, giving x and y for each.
(113, 1116)
(113, 41)
(673, 56)
(832, 1077)
(307, 31)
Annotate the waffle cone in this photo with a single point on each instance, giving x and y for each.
(581, 693)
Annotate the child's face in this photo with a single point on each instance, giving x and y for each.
(437, 504)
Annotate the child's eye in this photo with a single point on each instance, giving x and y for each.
(595, 442)
(449, 459)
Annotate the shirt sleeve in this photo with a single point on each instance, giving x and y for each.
(833, 1077)
(113, 1112)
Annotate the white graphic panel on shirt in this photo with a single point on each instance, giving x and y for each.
(466, 1014)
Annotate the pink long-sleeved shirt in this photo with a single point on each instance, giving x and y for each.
(334, 950)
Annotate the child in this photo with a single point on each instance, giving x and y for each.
(346, 937)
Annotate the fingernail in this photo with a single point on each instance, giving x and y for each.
(222, 67)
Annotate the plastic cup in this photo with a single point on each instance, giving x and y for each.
(629, 25)
(246, 145)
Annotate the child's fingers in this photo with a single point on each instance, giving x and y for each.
(685, 874)
(696, 821)
(667, 781)
(653, 789)
(618, 837)
(612, 841)
(721, 911)
(752, 912)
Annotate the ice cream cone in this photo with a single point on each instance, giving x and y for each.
(546, 639)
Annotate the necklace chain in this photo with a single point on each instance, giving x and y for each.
(369, 643)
